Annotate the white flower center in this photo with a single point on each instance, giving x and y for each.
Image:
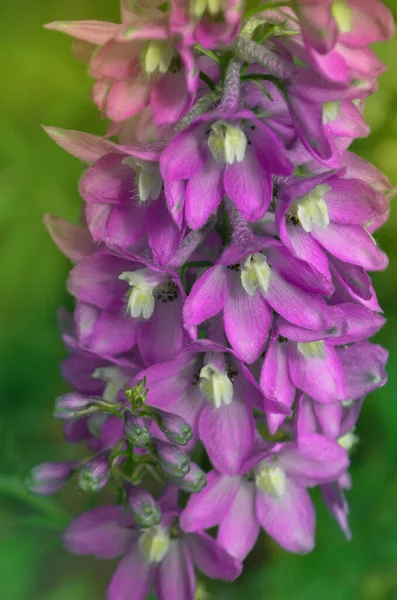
(157, 56)
(312, 349)
(311, 209)
(342, 15)
(227, 142)
(331, 111)
(154, 544)
(114, 381)
(140, 297)
(270, 479)
(148, 178)
(199, 7)
(216, 386)
(255, 274)
(348, 441)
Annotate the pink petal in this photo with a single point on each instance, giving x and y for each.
(99, 532)
(239, 527)
(227, 434)
(175, 574)
(207, 296)
(204, 193)
(207, 508)
(73, 241)
(247, 321)
(132, 579)
(290, 520)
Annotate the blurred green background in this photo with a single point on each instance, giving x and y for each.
(42, 83)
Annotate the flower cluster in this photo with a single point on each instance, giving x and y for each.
(219, 347)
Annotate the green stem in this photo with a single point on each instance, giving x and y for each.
(208, 53)
(211, 84)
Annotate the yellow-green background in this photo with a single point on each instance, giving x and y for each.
(42, 83)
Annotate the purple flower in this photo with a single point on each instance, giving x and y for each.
(163, 555)
(222, 153)
(125, 204)
(212, 390)
(328, 215)
(269, 492)
(327, 372)
(145, 305)
(354, 23)
(250, 282)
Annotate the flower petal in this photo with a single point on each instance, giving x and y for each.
(227, 434)
(290, 520)
(212, 559)
(239, 527)
(133, 578)
(175, 574)
(207, 508)
(204, 193)
(247, 320)
(207, 296)
(99, 532)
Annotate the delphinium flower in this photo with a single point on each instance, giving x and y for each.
(224, 307)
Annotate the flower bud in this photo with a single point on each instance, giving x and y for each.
(136, 395)
(173, 461)
(69, 406)
(48, 478)
(175, 428)
(136, 431)
(194, 481)
(145, 510)
(94, 474)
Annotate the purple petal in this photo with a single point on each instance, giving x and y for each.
(169, 98)
(207, 508)
(247, 321)
(161, 337)
(109, 180)
(239, 527)
(320, 377)
(163, 234)
(362, 323)
(335, 501)
(228, 434)
(99, 532)
(168, 381)
(290, 520)
(204, 193)
(133, 578)
(175, 574)
(295, 305)
(352, 201)
(207, 296)
(352, 244)
(276, 382)
(364, 368)
(95, 280)
(113, 333)
(249, 187)
(269, 150)
(185, 154)
(315, 459)
(211, 559)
